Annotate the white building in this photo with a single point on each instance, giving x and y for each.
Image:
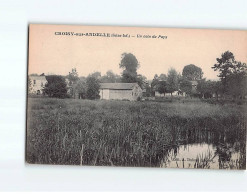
(37, 84)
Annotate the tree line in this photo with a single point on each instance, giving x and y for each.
(232, 80)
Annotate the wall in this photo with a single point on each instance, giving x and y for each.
(121, 94)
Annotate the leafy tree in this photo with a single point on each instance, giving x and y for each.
(81, 88)
(110, 77)
(237, 85)
(129, 64)
(73, 79)
(141, 80)
(55, 86)
(162, 77)
(185, 86)
(161, 87)
(192, 72)
(154, 83)
(93, 86)
(205, 88)
(172, 81)
(227, 67)
(96, 75)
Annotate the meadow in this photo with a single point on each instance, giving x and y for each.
(124, 133)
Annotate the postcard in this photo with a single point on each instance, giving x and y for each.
(136, 97)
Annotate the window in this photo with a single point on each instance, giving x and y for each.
(34, 82)
(42, 84)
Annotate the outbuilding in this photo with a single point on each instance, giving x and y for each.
(120, 91)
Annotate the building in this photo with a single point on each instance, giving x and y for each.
(37, 84)
(120, 91)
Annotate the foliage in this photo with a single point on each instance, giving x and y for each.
(123, 133)
(72, 82)
(81, 88)
(96, 75)
(231, 73)
(172, 80)
(110, 77)
(92, 88)
(192, 72)
(55, 86)
(185, 86)
(161, 87)
(129, 64)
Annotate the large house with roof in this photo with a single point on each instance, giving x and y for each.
(120, 91)
(37, 84)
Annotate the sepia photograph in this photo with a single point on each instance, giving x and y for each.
(136, 97)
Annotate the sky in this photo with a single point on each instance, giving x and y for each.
(58, 54)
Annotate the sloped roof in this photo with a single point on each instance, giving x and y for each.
(117, 85)
(37, 77)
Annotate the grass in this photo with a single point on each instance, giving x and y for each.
(123, 133)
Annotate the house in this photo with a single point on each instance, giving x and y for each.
(120, 91)
(37, 84)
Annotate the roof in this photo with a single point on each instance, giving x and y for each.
(37, 77)
(122, 86)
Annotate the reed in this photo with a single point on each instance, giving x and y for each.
(123, 133)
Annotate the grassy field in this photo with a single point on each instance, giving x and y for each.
(123, 133)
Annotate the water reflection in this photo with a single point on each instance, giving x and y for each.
(206, 156)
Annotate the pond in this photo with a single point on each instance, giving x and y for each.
(205, 156)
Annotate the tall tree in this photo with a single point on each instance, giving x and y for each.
(192, 72)
(227, 67)
(185, 86)
(154, 82)
(129, 64)
(161, 87)
(172, 81)
(72, 81)
(81, 88)
(162, 77)
(55, 86)
(92, 88)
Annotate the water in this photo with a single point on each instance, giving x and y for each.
(206, 156)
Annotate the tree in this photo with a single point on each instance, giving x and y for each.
(185, 86)
(73, 79)
(130, 65)
(55, 86)
(228, 67)
(141, 80)
(237, 83)
(161, 87)
(162, 77)
(81, 88)
(96, 75)
(154, 83)
(172, 81)
(206, 88)
(110, 77)
(93, 86)
(192, 72)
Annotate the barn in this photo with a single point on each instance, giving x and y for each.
(120, 91)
